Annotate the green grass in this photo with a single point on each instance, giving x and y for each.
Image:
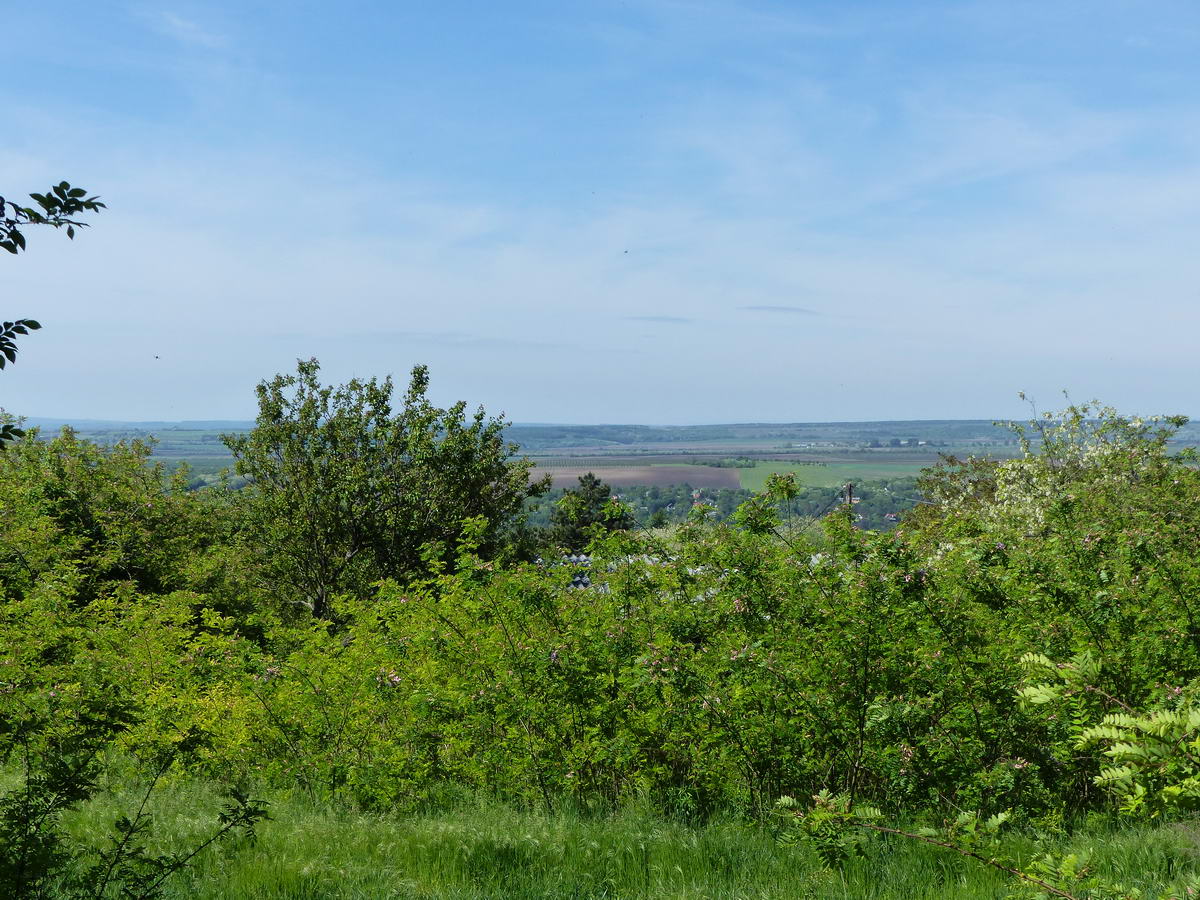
(198, 465)
(480, 849)
(828, 474)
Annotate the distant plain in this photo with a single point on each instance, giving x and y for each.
(703, 456)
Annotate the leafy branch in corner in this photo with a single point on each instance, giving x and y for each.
(9, 332)
(59, 207)
(8, 338)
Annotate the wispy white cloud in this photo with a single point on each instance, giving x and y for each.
(188, 31)
(226, 306)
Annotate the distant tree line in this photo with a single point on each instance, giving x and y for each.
(878, 507)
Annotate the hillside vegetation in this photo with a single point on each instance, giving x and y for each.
(1006, 681)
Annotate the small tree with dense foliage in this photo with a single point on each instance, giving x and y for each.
(346, 490)
(576, 517)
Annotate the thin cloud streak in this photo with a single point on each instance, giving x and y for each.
(451, 339)
(792, 310)
(188, 32)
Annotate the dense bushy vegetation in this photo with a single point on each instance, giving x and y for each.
(1025, 647)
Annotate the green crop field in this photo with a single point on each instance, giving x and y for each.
(828, 474)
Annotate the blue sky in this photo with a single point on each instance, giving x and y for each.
(660, 211)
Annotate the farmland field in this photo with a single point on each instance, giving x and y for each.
(828, 474)
(626, 471)
(619, 473)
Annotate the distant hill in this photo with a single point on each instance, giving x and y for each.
(541, 437)
(118, 425)
(202, 437)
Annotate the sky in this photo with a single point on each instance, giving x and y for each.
(651, 211)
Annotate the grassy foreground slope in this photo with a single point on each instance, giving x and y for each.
(480, 849)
